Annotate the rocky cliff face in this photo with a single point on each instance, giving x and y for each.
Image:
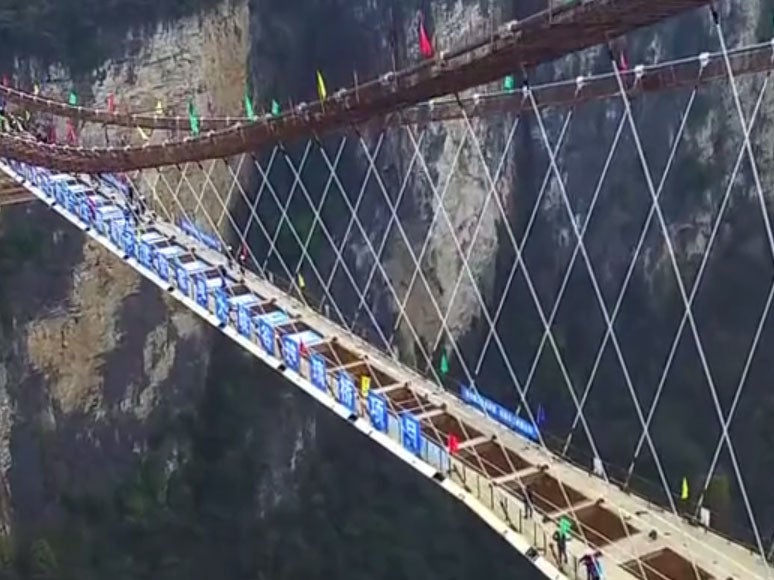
(95, 358)
(97, 366)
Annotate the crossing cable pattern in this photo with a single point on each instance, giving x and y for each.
(438, 189)
(208, 188)
(340, 259)
(205, 202)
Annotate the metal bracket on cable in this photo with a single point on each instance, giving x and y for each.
(639, 72)
(704, 59)
(771, 42)
(580, 83)
(525, 89)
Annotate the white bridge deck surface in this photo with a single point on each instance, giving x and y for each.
(497, 506)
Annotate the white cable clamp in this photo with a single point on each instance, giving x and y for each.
(771, 42)
(477, 99)
(704, 59)
(580, 82)
(388, 78)
(525, 91)
(431, 104)
(639, 72)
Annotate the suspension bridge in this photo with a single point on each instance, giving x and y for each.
(171, 209)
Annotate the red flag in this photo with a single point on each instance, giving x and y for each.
(624, 62)
(111, 103)
(302, 348)
(243, 253)
(425, 46)
(71, 138)
(452, 443)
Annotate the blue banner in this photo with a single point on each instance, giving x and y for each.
(85, 211)
(205, 238)
(129, 242)
(72, 202)
(221, 306)
(60, 192)
(162, 267)
(183, 283)
(243, 320)
(100, 222)
(200, 288)
(291, 353)
(266, 333)
(411, 431)
(377, 410)
(145, 255)
(500, 413)
(116, 226)
(346, 390)
(318, 372)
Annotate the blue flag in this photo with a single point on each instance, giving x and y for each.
(541, 415)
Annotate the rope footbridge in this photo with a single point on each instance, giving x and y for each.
(174, 223)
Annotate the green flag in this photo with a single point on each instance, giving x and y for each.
(193, 118)
(275, 109)
(73, 99)
(444, 366)
(509, 83)
(249, 111)
(565, 526)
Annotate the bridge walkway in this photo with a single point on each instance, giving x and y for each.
(404, 412)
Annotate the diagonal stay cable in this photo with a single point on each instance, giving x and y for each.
(358, 201)
(476, 230)
(298, 241)
(569, 269)
(675, 267)
(323, 198)
(631, 268)
(603, 308)
(254, 218)
(388, 229)
(242, 238)
(480, 298)
(284, 207)
(525, 237)
(433, 302)
(337, 250)
(231, 188)
(530, 285)
(252, 206)
(699, 273)
(431, 227)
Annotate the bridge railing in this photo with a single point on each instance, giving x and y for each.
(475, 476)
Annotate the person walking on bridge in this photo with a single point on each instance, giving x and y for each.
(528, 501)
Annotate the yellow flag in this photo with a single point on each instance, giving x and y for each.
(159, 109)
(301, 281)
(36, 89)
(365, 385)
(684, 490)
(321, 91)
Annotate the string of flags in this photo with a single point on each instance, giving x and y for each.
(193, 118)
(425, 44)
(426, 50)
